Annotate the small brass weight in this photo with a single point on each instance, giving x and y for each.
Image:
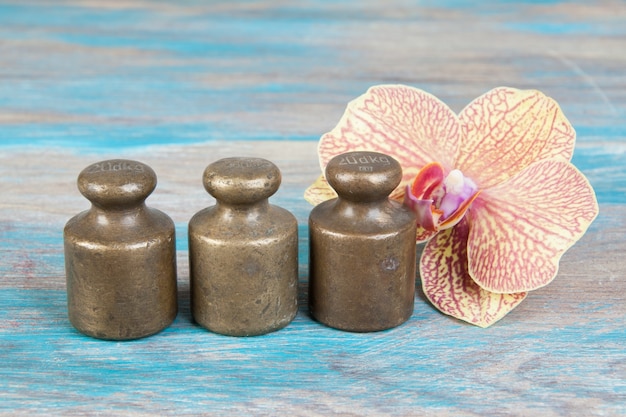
(243, 252)
(362, 247)
(120, 255)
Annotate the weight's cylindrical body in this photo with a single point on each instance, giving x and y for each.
(243, 252)
(120, 256)
(362, 248)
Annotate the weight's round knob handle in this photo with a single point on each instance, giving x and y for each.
(241, 180)
(363, 176)
(117, 183)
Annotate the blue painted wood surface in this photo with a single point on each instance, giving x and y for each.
(181, 85)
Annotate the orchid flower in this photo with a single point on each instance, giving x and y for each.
(496, 198)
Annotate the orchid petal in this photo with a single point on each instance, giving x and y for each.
(449, 287)
(412, 126)
(521, 228)
(422, 235)
(319, 191)
(506, 129)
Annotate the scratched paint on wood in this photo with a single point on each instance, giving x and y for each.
(181, 85)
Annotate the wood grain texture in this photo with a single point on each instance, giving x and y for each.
(179, 86)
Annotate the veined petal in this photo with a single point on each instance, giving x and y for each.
(448, 286)
(319, 191)
(404, 122)
(521, 228)
(422, 235)
(506, 129)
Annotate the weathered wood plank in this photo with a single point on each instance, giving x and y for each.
(181, 85)
(562, 349)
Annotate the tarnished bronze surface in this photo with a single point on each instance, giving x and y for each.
(120, 255)
(362, 247)
(243, 252)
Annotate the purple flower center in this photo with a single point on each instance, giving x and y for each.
(457, 189)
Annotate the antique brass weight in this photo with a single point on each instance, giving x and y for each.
(120, 255)
(243, 252)
(362, 247)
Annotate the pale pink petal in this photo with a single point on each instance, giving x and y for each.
(406, 123)
(319, 191)
(506, 129)
(520, 228)
(448, 286)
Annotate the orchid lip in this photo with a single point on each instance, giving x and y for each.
(427, 216)
(440, 200)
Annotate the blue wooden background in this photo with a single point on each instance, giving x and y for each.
(180, 85)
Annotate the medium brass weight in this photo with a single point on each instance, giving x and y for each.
(120, 255)
(362, 247)
(243, 252)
